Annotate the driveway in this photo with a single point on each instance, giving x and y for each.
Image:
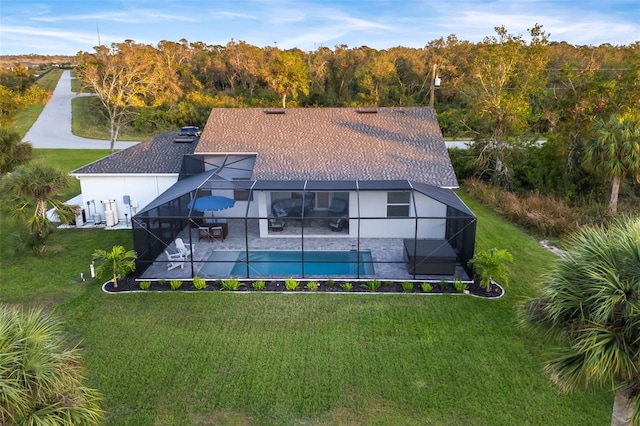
(52, 129)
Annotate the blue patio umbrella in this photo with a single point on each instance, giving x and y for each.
(211, 203)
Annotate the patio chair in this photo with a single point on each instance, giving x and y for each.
(216, 233)
(175, 260)
(276, 225)
(337, 224)
(338, 207)
(203, 233)
(184, 248)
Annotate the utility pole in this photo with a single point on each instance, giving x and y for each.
(435, 82)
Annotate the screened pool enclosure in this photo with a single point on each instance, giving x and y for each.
(220, 223)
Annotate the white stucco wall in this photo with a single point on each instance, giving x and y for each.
(239, 209)
(140, 188)
(373, 205)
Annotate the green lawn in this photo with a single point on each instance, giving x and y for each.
(87, 122)
(220, 358)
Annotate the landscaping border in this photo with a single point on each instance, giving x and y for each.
(130, 285)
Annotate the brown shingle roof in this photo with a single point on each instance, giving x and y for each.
(334, 143)
(154, 156)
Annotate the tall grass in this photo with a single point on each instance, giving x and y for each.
(543, 215)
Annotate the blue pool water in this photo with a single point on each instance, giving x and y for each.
(289, 263)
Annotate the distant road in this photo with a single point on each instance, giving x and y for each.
(458, 144)
(52, 129)
(466, 144)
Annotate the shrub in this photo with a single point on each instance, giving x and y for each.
(541, 214)
(175, 284)
(491, 265)
(259, 285)
(371, 285)
(460, 286)
(331, 283)
(312, 285)
(426, 287)
(144, 285)
(388, 283)
(41, 374)
(407, 286)
(162, 281)
(118, 262)
(231, 284)
(443, 284)
(199, 283)
(290, 284)
(346, 286)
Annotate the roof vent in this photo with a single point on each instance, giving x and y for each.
(184, 139)
(274, 111)
(367, 110)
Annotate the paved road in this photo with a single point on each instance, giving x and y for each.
(52, 129)
(458, 144)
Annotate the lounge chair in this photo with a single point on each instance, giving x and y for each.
(339, 207)
(184, 248)
(175, 260)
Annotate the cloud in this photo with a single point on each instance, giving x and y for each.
(235, 15)
(134, 16)
(50, 33)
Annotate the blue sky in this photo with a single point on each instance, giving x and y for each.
(67, 27)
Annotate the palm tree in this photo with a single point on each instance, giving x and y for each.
(40, 377)
(591, 301)
(29, 192)
(491, 265)
(13, 152)
(615, 151)
(118, 262)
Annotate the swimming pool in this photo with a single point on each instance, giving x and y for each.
(277, 263)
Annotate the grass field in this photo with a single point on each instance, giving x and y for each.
(25, 119)
(87, 122)
(219, 358)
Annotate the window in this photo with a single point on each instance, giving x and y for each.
(398, 204)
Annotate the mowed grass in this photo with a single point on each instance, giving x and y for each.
(52, 277)
(220, 358)
(88, 121)
(316, 359)
(25, 118)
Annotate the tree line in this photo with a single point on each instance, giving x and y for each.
(506, 93)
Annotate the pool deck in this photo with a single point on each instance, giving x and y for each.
(387, 253)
